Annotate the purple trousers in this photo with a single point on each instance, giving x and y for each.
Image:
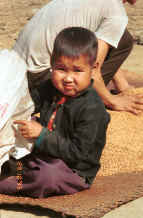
(38, 178)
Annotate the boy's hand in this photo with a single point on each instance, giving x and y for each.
(29, 129)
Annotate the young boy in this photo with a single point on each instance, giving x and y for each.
(71, 131)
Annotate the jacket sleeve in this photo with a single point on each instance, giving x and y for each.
(86, 142)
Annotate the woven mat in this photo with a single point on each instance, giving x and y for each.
(119, 180)
(105, 194)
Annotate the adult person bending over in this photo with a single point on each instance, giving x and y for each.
(108, 20)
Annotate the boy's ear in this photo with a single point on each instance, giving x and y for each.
(95, 68)
(96, 65)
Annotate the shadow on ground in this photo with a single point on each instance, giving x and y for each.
(35, 210)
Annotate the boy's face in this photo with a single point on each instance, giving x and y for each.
(71, 76)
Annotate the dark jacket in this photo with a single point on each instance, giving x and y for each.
(79, 133)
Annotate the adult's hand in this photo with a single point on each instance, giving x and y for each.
(126, 102)
(29, 129)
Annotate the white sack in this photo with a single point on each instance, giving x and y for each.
(15, 104)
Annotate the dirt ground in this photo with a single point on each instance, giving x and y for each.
(14, 14)
(135, 14)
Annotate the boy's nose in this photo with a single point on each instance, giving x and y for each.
(68, 78)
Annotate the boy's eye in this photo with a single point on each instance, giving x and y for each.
(77, 70)
(60, 69)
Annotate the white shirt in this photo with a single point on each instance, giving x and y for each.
(107, 18)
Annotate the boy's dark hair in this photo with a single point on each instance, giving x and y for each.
(73, 42)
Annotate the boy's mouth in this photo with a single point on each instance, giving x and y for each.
(68, 86)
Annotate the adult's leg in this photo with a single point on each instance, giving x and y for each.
(116, 56)
(34, 81)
